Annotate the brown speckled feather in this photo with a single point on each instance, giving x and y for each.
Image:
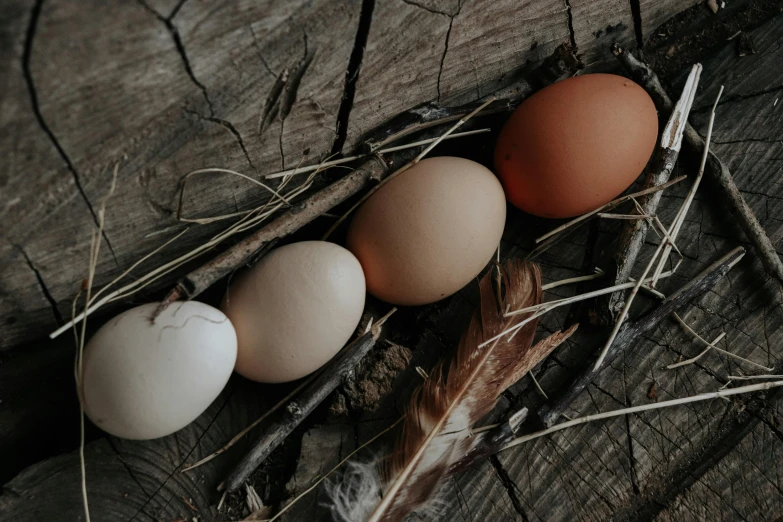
(441, 413)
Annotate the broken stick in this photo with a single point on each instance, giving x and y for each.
(622, 260)
(715, 170)
(329, 377)
(287, 223)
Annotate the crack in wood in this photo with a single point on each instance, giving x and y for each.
(509, 485)
(733, 98)
(631, 455)
(352, 75)
(28, 76)
(44, 289)
(636, 14)
(126, 466)
(432, 9)
(182, 461)
(570, 22)
(446, 44)
(175, 36)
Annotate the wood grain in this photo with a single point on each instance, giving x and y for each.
(111, 84)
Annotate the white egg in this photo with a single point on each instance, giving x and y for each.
(144, 379)
(295, 309)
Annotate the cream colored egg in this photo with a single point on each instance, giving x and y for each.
(145, 379)
(295, 309)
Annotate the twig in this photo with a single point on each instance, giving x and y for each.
(753, 377)
(644, 407)
(715, 170)
(679, 219)
(626, 307)
(287, 223)
(298, 409)
(388, 150)
(405, 167)
(249, 220)
(694, 359)
(335, 468)
(620, 264)
(631, 331)
(712, 345)
(236, 438)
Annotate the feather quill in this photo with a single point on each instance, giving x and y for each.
(436, 431)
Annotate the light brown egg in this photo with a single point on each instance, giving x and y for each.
(429, 231)
(295, 309)
(576, 145)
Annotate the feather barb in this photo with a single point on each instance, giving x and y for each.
(436, 432)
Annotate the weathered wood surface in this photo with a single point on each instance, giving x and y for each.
(90, 84)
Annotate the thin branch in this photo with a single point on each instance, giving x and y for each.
(236, 438)
(303, 404)
(679, 219)
(644, 407)
(715, 169)
(631, 332)
(621, 262)
(335, 468)
(327, 164)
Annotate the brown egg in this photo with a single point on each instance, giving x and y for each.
(429, 231)
(576, 145)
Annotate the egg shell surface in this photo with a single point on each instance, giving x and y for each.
(144, 380)
(428, 232)
(295, 309)
(576, 145)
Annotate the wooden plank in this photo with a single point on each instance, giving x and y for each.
(745, 485)
(140, 480)
(163, 99)
(618, 468)
(34, 183)
(596, 25)
(418, 52)
(653, 13)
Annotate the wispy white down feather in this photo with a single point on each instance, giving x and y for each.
(354, 495)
